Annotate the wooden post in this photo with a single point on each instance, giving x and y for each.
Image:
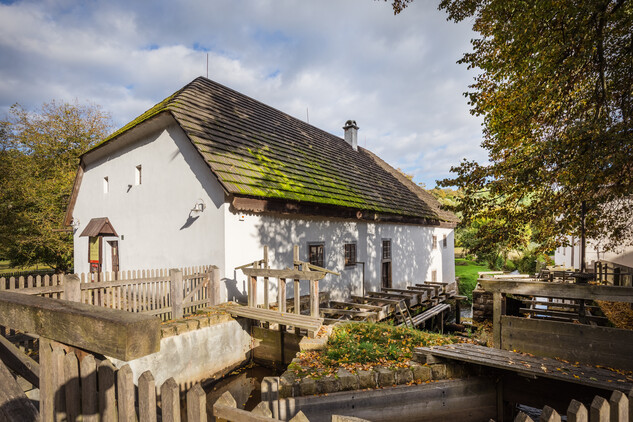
(72, 386)
(125, 394)
(196, 404)
(252, 290)
(107, 398)
(72, 287)
(577, 412)
(297, 284)
(47, 392)
(619, 405)
(266, 301)
(175, 277)
(170, 399)
(498, 309)
(146, 397)
(88, 370)
(599, 411)
(281, 293)
(214, 289)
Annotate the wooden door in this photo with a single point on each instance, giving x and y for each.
(114, 247)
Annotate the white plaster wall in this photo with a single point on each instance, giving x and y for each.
(412, 256)
(153, 220)
(197, 355)
(570, 256)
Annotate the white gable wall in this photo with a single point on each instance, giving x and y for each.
(154, 221)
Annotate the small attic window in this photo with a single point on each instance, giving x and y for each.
(106, 185)
(137, 175)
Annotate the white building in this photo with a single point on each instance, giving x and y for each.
(569, 256)
(210, 176)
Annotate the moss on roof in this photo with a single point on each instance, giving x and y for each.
(256, 150)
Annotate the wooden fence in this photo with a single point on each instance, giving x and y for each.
(153, 292)
(613, 274)
(616, 409)
(593, 345)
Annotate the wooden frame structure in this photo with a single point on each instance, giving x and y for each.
(593, 345)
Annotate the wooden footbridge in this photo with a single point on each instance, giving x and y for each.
(426, 300)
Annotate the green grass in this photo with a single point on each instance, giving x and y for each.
(362, 345)
(6, 268)
(467, 271)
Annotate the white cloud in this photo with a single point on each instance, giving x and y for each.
(396, 76)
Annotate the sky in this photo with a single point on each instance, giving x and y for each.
(325, 61)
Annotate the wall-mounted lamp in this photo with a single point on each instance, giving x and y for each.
(75, 224)
(199, 206)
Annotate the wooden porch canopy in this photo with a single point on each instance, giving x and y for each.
(99, 227)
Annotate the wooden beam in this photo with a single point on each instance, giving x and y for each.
(287, 273)
(14, 405)
(358, 305)
(568, 291)
(19, 362)
(119, 334)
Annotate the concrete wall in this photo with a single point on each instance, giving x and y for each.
(201, 354)
(154, 221)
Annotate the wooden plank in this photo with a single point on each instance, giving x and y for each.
(358, 305)
(568, 291)
(47, 391)
(294, 320)
(530, 365)
(19, 362)
(125, 394)
(89, 399)
(286, 273)
(146, 397)
(375, 299)
(562, 314)
(115, 333)
(497, 311)
(107, 398)
(352, 312)
(196, 404)
(72, 386)
(611, 347)
(59, 393)
(14, 405)
(170, 401)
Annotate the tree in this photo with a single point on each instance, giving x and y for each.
(555, 89)
(38, 158)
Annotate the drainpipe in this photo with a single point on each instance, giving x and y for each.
(359, 262)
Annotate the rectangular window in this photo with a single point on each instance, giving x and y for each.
(106, 185)
(434, 242)
(315, 254)
(137, 177)
(94, 249)
(386, 249)
(350, 254)
(434, 276)
(444, 241)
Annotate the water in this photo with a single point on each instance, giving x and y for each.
(244, 384)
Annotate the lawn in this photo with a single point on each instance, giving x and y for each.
(361, 346)
(467, 271)
(6, 268)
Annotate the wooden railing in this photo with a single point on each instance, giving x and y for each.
(75, 381)
(613, 274)
(616, 409)
(302, 271)
(589, 344)
(147, 291)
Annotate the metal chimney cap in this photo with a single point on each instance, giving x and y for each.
(350, 124)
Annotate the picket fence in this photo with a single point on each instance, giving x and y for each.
(616, 409)
(146, 291)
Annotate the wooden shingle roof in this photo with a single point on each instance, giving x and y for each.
(257, 151)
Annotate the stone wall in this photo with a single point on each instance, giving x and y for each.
(482, 304)
(290, 385)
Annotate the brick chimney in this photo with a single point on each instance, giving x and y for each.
(351, 133)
